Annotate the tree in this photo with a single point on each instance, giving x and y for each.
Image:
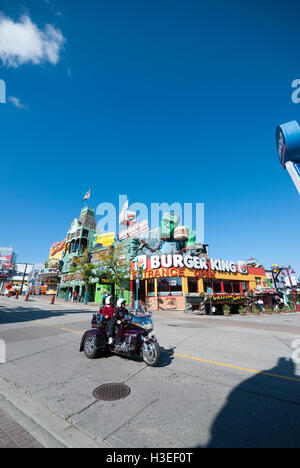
(113, 266)
(82, 266)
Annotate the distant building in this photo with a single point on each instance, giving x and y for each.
(8, 259)
(79, 238)
(20, 275)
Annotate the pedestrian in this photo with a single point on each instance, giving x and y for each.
(104, 296)
(260, 304)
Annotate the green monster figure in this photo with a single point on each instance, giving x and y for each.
(192, 237)
(168, 224)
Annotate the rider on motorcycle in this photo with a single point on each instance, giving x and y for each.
(108, 314)
(121, 311)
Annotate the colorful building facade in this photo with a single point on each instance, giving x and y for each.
(177, 281)
(79, 238)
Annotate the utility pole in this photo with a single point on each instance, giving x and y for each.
(24, 274)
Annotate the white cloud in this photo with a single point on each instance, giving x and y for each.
(16, 102)
(23, 42)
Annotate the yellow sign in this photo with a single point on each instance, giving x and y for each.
(106, 239)
(56, 250)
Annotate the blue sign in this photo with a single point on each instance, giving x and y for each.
(288, 142)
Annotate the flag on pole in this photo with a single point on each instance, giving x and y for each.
(87, 195)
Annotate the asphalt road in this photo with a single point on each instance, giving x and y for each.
(221, 382)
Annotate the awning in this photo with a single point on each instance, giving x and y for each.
(265, 291)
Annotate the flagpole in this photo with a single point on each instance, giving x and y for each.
(87, 197)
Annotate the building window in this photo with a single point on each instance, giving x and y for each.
(245, 286)
(151, 287)
(193, 285)
(227, 287)
(163, 287)
(217, 286)
(236, 287)
(169, 286)
(207, 284)
(176, 286)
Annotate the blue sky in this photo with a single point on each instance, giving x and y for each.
(164, 101)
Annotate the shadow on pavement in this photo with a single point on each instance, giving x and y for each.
(166, 357)
(15, 314)
(263, 411)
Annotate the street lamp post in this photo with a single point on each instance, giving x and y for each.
(138, 276)
(23, 281)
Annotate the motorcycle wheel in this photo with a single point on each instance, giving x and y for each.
(151, 353)
(89, 347)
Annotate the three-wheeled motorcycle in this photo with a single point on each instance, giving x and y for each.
(134, 338)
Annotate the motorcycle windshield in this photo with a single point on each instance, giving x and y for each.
(143, 321)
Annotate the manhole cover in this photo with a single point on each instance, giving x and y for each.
(111, 392)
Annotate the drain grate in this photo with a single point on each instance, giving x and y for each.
(111, 392)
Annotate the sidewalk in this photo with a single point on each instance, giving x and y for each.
(172, 314)
(46, 300)
(12, 435)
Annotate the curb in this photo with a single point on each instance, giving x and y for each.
(48, 428)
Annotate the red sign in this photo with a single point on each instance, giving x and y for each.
(57, 247)
(6, 257)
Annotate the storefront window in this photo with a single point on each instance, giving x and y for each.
(207, 284)
(217, 287)
(169, 286)
(151, 287)
(227, 287)
(245, 286)
(236, 287)
(163, 287)
(193, 285)
(176, 287)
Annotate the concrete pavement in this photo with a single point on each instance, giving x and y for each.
(218, 384)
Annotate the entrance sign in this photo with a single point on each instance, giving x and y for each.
(197, 263)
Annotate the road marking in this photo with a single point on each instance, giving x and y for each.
(252, 371)
(221, 364)
(59, 328)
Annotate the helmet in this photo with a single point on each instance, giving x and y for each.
(108, 300)
(120, 302)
